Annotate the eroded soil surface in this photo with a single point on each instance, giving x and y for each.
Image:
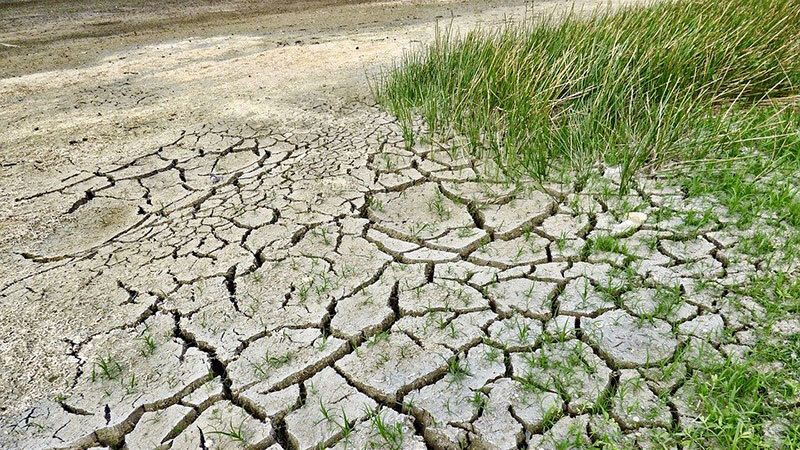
(312, 282)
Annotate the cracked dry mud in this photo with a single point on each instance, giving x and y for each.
(309, 289)
(311, 283)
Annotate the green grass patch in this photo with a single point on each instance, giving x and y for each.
(737, 411)
(740, 400)
(674, 82)
(608, 243)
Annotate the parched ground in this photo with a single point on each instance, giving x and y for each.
(220, 242)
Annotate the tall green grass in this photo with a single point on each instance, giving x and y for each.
(637, 87)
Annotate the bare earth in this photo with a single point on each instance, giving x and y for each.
(210, 237)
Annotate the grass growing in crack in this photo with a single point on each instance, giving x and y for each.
(478, 399)
(377, 338)
(559, 332)
(131, 385)
(271, 362)
(667, 301)
(375, 204)
(740, 400)
(575, 438)
(638, 88)
(464, 233)
(322, 343)
(302, 292)
(523, 331)
(149, 345)
(323, 234)
(106, 367)
(493, 354)
(759, 244)
(346, 428)
(448, 327)
(325, 412)
(418, 228)
(323, 284)
(437, 206)
(391, 435)
(457, 369)
(608, 243)
(696, 221)
(561, 242)
(235, 433)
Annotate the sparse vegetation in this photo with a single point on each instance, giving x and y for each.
(390, 434)
(608, 243)
(149, 345)
(235, 433)
(106, 367)
(270, 362)
(457, 369)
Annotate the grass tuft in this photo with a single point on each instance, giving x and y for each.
(640, 87)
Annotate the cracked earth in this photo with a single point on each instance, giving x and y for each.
(258, 286)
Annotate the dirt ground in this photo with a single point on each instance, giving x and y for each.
(179, 183)
(85, 87)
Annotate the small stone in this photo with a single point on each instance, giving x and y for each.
(633, 222)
